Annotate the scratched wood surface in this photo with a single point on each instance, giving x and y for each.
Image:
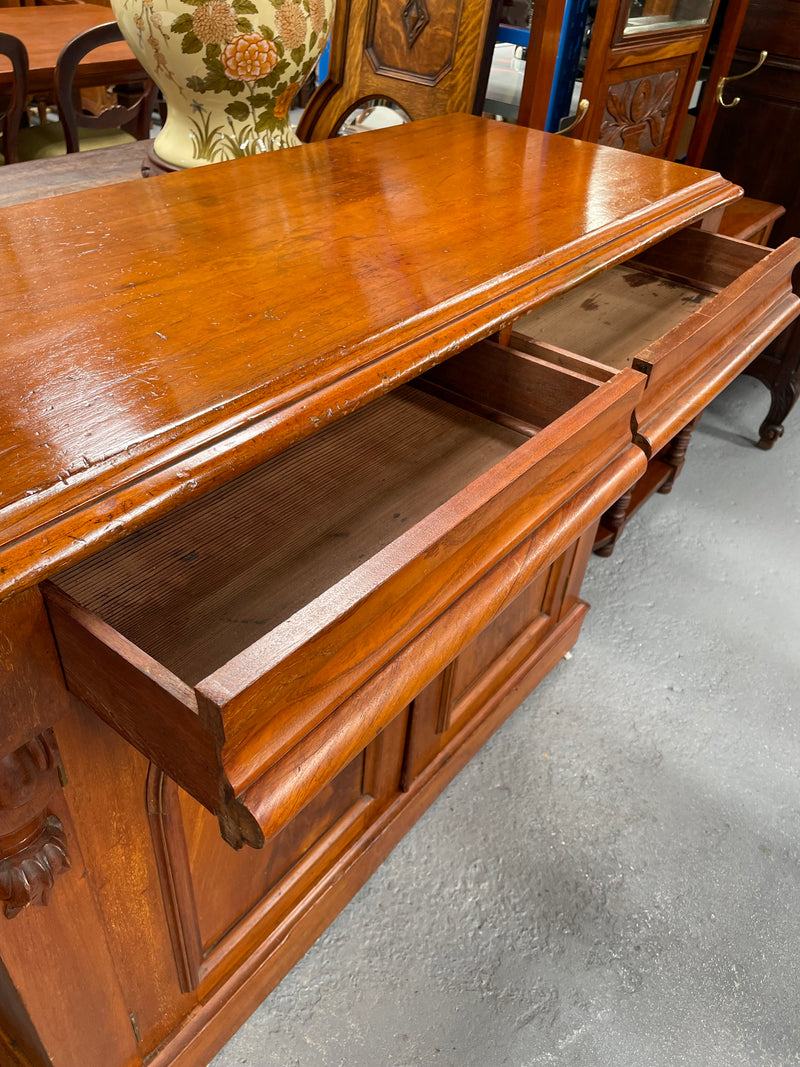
(159, 328)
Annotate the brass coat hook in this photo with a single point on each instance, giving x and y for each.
(583, 107)
(735, 78)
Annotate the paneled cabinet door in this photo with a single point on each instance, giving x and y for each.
(502, 664)
(636, 85)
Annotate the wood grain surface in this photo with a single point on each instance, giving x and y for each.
(45, 30)
(168, 334)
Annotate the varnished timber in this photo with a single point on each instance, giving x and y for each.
(424, 58)
(170, 373)
(39, 179)
(691, 313)
(166, 339)
(252, 712)
(45, 30)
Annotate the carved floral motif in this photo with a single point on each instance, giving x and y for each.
(637, 111)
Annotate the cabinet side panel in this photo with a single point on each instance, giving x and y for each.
(108, 799)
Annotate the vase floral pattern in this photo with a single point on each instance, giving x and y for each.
(229, 70)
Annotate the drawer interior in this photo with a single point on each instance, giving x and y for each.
(254, 641)
(613, 317)
(196, 588)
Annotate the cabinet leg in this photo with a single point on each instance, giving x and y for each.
(783, 399)
(778, 368)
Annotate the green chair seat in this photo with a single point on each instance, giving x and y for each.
(47, 140)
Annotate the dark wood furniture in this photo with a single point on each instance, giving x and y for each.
(423, 57)
(45, 30)
(121, 120)
(640, 72)
(756, 145)
(13, 104)
(304, 531)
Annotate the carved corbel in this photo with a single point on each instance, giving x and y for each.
(33, 849)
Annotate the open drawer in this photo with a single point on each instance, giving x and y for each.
(690, 313)
(254, 642)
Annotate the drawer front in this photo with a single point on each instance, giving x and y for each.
(690, 313)
(266, 731)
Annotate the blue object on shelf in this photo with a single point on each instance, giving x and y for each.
(518, 35)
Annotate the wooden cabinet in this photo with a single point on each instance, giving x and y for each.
(640, 73)
(237, 641)
(287, 532)
(755, 144)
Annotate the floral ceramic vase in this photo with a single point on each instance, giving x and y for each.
(228, 69)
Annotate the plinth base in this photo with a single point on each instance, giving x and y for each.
(153, 164)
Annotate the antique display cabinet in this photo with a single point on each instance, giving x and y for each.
(287, 531)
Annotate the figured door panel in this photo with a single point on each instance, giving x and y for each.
(414, 47)
(220, 902)
(639, 74)
(509, 650)
(421, 56)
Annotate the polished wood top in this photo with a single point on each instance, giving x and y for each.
(45, 30)
(164, 335)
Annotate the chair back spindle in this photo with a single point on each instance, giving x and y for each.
(135, 117)
(11, 117)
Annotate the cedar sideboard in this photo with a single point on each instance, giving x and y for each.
(289, 526)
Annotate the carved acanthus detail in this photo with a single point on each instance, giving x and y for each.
(28, 877)
(415, 18)
(637, 111)
(33, 850)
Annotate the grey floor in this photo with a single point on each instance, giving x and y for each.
(614, 878)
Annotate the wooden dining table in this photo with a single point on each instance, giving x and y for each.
(45, 30)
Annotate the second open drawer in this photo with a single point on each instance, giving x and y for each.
(253, 642)
(690, 313)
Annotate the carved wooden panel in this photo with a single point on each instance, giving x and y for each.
(213, 896)
(637, 112)
(413, 41)
(423, 57)
(33, 848)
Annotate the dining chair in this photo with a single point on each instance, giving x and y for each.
(97, 131)
(10, 118)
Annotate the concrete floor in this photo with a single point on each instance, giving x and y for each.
(613, 881)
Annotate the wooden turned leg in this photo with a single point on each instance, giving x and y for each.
(33, 849)
(675, 453)
(778, 368)
(611, 525)
(783, 399)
